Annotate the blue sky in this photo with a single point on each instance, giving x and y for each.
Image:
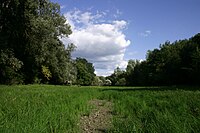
(141, 25)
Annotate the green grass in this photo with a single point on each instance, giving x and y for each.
(42, 108)
(165, 111)
(45, 108)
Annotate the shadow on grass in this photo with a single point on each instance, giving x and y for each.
(168, 88)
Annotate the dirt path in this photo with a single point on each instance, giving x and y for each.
(100, 119)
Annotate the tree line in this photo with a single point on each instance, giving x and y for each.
(31, 51)
(176, 63)
(30, 46)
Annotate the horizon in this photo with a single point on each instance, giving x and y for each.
(109, 33)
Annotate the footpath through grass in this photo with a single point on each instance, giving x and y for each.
(43, 108)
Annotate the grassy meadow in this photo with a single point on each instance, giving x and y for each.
(49, 108)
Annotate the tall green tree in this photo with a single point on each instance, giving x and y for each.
(32, 30)
(132, 64)
(85, 72)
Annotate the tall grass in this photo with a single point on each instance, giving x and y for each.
(154, 111)
(43, 108)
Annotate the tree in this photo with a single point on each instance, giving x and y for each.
(101, 81)
(118, 77)
(176, 63)
(130, 79)
(85, 72)
(9, 67)
(96, 81)
(32, 30)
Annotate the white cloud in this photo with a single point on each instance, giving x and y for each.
(146, 33)
(117, 14)
(103, 44)
(62, 6)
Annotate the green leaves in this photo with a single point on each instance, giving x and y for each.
(85, 72)
(31, 29)
(9, 67)
(46, 72)
(176, 63)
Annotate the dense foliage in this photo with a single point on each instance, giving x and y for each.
(30, 46)
(176, 63)
(85, 72)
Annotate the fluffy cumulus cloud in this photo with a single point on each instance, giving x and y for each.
(102, 43)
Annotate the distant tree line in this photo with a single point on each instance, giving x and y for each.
(30, 46)
(176, 63)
